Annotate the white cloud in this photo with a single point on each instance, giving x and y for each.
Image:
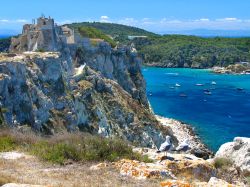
(158, 25)
(14, 21)
(229, 19)
(104, 17)
(128, 21)
(204, 19)
(22, 21)
(65, 22)
(4, 20)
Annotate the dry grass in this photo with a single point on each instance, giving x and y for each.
(32, 171)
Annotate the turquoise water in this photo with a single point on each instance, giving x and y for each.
(217, 118)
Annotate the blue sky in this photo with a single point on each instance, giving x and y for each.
(153, 15)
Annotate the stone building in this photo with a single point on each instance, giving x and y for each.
(45, 35)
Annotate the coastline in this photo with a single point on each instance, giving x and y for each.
(215, 69)
(183, 132)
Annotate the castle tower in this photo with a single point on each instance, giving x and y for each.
(45, 23)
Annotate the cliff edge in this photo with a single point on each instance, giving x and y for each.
(53, 80)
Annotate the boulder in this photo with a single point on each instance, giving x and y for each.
(191, 169)
(141, 170)
(238, 152)
(213, 182)
(99, 166)
(11, 155)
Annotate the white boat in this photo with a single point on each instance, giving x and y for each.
(208, 93)
(177, 85)
(213, 83)
(183, 95)
(199, 85)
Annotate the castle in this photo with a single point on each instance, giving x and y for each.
(44, 35)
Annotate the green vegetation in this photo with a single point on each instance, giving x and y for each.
(74, 147)
(41, 50)
(119, 32)
(197, 52)
(222, 163)
(178, 50)
(7, 143)
(91, 32)
(4, 44)
(2, 111)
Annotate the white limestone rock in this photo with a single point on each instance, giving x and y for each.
(238, 151)
(11, 155)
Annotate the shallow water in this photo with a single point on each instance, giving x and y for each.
(217, 118)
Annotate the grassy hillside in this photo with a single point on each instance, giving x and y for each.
(117, 31)
(91, 32)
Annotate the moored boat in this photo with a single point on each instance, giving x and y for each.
(208, 93)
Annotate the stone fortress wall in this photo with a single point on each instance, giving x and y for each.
(44, 35)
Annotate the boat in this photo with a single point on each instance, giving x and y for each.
(213, 83)
(240, 89)
(208, 93)
(171, 87)
(175, 74)
(177, 85)
(199, 84)
(183, 95)
(150, 94)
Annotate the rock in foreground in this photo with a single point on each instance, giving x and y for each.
(237, 151)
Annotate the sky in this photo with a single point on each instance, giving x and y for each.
(153, 15)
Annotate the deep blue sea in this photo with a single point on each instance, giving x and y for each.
(217, 118)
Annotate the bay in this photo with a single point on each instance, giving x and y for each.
(217, 106)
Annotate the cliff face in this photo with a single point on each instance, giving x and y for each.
(99, 90)
(77, 87)
(120, 65)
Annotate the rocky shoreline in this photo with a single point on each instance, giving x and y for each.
(183, 132)
(236, 69)
(231, 69)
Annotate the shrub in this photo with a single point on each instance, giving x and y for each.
(91, 32)
(75, 147)
(41, 50)
(222, 163)
(7, 143)
(56, 153)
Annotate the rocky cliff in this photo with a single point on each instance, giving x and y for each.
(77, 87)
(95, 89)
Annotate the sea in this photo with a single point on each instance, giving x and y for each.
(217, 106)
